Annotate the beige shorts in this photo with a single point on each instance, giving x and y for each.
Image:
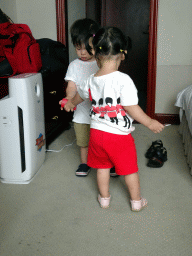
(82, 134)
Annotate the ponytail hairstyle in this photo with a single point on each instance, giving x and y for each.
(109, 41)
(81, 31)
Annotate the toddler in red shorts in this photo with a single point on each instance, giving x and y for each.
(114, 107)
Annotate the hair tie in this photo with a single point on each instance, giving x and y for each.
(93, 35)
(100, 47)
(121, 50)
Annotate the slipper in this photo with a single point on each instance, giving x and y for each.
(137, 206)
(104, 201)
(159, 158)
(152, 150)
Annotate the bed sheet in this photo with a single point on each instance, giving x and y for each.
(184, 102)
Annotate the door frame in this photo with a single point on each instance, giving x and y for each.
(152, 59)
(62, 21)
(62, 36)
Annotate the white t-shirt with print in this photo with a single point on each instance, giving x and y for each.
(108, 94)
(77, 72)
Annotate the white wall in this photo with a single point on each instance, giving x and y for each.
(39, 15)
(9, 7)
(76, 10)
(174, 53)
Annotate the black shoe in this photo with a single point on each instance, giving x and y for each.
(152, 150)
(113, 173)
(83, 170)
(159, 158)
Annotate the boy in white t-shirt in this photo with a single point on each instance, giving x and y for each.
(82, 33)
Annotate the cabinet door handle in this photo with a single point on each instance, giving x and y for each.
(53, 92)
(55, 117)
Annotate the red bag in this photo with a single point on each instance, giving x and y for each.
(20, 48)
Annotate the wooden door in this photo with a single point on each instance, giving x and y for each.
(138, 20)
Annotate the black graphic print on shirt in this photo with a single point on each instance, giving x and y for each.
(109, 110)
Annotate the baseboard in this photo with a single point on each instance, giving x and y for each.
(167, 118)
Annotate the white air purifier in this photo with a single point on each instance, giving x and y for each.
(22, 129)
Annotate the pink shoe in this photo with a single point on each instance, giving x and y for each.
(137, 206)
(104, 201)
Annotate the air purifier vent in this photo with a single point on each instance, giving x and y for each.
(22, 139)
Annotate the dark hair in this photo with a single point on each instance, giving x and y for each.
(4, 18)
(82, 30)
(109, 41)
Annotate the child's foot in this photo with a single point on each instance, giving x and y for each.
(104, 201)
(83, 170)
(113, 173)
(137, 206)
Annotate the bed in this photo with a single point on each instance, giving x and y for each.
(184, 102)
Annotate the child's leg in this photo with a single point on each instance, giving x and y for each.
(83, 169)
(82, 136)
(133, 185)
(103, 177)
(84, 152)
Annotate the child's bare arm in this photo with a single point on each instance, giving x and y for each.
(71, 90)
(72, 103)
(139, 115)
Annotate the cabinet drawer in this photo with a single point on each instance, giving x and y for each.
(58, 116)
(54, 93)
(53, 83)
(51, 104)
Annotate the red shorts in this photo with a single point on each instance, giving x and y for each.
(107, 150)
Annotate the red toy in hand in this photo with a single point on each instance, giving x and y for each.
(63, 102)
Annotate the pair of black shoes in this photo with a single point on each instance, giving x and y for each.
(157, 154)
(83, 170)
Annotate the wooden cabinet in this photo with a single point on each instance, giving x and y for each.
(56, 120)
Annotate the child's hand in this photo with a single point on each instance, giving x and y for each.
(60, 102)
(69, 106)
(63, 102)
(155, 126)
